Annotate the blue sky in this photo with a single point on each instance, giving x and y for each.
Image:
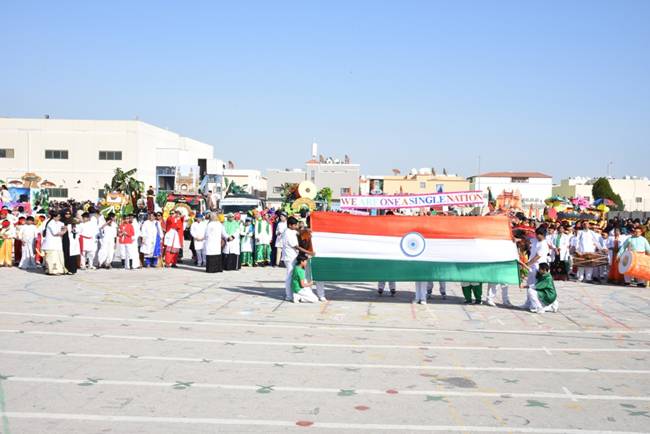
(561, 87)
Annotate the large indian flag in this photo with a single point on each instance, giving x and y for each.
(397, 248)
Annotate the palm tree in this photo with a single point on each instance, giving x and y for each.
(233, 188)
(126, 183)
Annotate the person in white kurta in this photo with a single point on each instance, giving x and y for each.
(197, 230)
(586, 242)
(152, 236)
(108, 235)
(538, 255)
(215, 236)
(134, 253)
(88, 231)
(27, 236)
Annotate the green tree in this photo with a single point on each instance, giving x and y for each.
(325, 195)
(603, 190)
(126, 183)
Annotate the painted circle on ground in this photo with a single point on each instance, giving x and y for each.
(412, 244)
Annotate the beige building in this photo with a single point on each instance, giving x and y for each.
(634, 191)
(79, 156)
(422, 183)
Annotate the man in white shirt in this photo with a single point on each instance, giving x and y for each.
(538, 255)
(215, 236)
(586, 242)
(108, 237)
(27, 235)
(88, 232)
(53, 244)
(290, 250)
(197, 230)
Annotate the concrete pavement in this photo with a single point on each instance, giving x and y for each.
(170, 351)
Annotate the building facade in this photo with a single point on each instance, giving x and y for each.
(79, 156)
(341, 177)
(276, 179)
(529, 188)
(634, 190)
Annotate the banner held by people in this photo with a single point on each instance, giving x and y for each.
(398, 248)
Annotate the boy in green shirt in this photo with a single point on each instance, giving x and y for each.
(300, 287)
(542, 296)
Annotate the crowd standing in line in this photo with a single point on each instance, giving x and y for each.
(69, 239)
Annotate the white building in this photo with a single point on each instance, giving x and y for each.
(534, 187)
(634, 190)
(253, 180)
(79, 156)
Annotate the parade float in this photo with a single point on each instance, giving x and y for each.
(30, 192)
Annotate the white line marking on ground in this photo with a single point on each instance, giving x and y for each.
(330, 365)
(282, 423)
(441, 392)
(571, 396)
(326, 345)
(277, 325)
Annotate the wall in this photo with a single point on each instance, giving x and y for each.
(143, 146)
(335, 176)
(276, 178)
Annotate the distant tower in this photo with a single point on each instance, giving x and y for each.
(314, 150)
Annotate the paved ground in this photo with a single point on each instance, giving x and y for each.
(177, 351)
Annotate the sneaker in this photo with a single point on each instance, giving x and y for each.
(507, 303)
(478, 302)
(555, 307)
(423, 302)
(380, 292)
(490, 303)
(323, 299)
(537, 310)
(444, 296)
(392, 293)
(641, 285)
(467, 302)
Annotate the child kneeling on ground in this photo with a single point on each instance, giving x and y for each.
(542, 296)
(301, 288)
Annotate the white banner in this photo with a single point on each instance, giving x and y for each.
(452, 198)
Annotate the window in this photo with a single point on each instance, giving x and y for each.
(440, 188)
(519, 180)
(423, 184)
(110, 155)
(101, 193)
(56, 154)
(58, 192)
(6, 153)
(639, 200)
(345, 190)
(277, 189)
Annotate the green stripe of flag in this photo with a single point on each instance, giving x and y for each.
(377, 270)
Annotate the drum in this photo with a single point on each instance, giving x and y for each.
(636, 265)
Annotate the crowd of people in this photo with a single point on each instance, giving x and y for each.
(75, 236)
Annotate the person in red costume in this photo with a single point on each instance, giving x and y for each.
(175, 223)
